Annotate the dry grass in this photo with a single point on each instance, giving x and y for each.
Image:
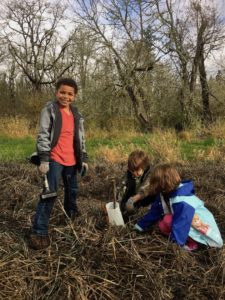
(185, 135)
(217, 130)
(112, 134)
(211, 154)
(16, 127)
(165, 146)
(115, 155)
(88, 261)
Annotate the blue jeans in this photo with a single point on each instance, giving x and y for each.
(44, 208)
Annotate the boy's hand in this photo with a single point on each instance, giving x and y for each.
(44, 167)
(130, 204)
(84, 169)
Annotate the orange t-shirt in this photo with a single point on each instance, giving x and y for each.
(63, 152)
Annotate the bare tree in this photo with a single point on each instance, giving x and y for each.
(84, 50)
(190, 35)
(210, 37)
(31, 30)
(120, 26)
(175, 41)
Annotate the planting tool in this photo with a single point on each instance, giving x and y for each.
(113, 210)
(46, 194)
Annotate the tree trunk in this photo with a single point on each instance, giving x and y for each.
(137, 102)
(207, 115)
(184, 98)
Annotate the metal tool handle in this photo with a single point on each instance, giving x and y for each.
(46, 185)
(114, 193)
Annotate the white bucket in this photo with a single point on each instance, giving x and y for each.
(114, 214)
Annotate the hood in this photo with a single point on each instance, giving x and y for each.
(186, 188)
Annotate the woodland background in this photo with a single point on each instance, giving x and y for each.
(139, 64)
(144, 80)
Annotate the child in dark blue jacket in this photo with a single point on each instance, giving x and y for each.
(180, 213)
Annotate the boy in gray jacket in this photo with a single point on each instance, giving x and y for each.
(62, 153)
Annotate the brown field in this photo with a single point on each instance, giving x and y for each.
(88, 259)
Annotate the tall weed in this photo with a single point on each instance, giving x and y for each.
(16, 127)
(217, 129)
(115, 155)
(165, 146)
(210, 154)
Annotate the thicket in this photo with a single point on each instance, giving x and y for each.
(108, 108)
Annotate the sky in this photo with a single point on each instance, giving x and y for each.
(221, 6)
(217, 61)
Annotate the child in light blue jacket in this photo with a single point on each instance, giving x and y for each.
(180, 213)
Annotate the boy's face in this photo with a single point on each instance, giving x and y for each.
(138, 172)
(65, 95)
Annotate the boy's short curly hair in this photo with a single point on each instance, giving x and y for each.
(164, 179)
(138, 159)
(67, 81)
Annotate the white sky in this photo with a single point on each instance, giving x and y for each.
(221, 5)
(216, 62)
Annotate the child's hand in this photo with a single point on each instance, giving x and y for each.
(84, 169)
(138, 228)
(130, 204)
(44, 167)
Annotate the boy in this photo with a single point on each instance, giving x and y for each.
(61, 150)
(134, 191)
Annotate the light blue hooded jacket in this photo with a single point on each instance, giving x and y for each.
(184, 206)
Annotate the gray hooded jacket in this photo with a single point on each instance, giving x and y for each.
(50, 128)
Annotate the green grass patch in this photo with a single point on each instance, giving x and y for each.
(94, 144)
(189, 149)
(140, 141)
(16, 149)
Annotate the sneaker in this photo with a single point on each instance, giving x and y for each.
(38, 242)
(190, 249)
(191, 245)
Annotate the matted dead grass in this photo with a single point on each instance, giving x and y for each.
(89, 261)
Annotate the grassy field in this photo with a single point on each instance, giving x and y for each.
(17, 142)
(160, 145)
(16, 149)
